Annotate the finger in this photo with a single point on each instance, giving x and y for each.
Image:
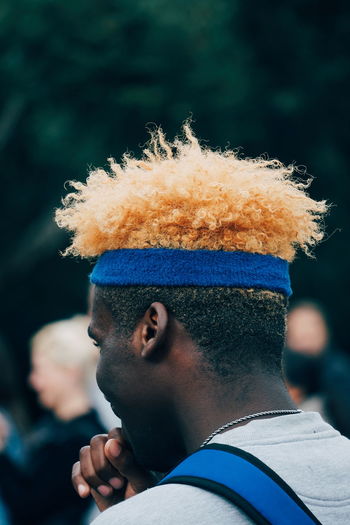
(117, 433)
(103, 503)
(79, 483)
(123, 460)
(89, 474)
(103, 468)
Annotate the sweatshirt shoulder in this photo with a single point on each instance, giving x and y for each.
(171, 505)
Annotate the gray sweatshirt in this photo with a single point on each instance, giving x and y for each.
(312, 457)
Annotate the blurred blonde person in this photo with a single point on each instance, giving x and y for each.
(66, 343)
(63, 362)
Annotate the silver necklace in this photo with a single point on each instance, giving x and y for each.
(246, 418)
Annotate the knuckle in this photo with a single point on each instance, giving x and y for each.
(98, 439)
(115, 433)
(76, 470)
(76, 467)
(84, 451)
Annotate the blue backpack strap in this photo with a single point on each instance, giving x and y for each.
(244, 480)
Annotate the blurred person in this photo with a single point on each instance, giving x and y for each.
(189, 308)
(11, 399)
(307, 341)
(336, 381)
(13, 421)
(317, 373)
(63, 359)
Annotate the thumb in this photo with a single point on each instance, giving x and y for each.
(124, 461)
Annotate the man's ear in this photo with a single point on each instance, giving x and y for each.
(154, 328)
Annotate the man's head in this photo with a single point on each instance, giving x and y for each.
(167, 329)
(158, 344)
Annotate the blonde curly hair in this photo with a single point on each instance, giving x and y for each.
(184, 195)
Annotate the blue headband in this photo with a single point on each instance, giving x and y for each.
(174, 267)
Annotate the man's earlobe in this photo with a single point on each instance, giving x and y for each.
(155, 324)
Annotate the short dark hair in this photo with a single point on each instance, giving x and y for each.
(236, 330)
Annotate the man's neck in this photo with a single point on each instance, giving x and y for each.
(209, 406)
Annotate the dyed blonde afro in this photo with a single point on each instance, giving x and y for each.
(183, 195)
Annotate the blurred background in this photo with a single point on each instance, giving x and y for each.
(80, 81)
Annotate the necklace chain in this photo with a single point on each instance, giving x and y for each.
(246, 418)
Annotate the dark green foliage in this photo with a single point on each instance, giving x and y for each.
(80, 79)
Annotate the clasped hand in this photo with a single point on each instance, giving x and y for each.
(108, 471)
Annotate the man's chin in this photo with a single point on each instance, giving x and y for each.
(156, 459)
(114, 410)
(157, 464)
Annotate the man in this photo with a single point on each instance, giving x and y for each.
(191, 289)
